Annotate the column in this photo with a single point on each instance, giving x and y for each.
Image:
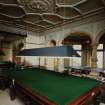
(84, 55)
(89, 54)
(66, 62)
(45, 62)
(103, 55)
(56, 64)
(39, 62)
(94, 57)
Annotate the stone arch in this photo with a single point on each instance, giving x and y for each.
(98, 36)
(75, 33)
(85, 42)
(52, 42)
(95, 44)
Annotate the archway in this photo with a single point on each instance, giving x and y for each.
(52, 43)
(82, 44)
(98, 36)
(98, 54)
(77, 38)
(101, 51)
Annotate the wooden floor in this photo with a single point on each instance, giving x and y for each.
(5, 99)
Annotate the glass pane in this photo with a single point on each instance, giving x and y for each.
(100, 59)
(100, 47)
(77, 47)
(76, 61)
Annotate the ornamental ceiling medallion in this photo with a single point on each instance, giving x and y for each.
(42, 5)
(36, 5)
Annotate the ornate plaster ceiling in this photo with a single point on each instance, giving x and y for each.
(40, 15)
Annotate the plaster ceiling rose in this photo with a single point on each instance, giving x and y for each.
(42, 5)
(36, 5)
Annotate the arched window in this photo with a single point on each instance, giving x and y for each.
(101, 52)
(81, 43)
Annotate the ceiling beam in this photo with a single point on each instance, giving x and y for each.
(10, 33)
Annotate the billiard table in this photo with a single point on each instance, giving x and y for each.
(6, 64)
(52, 88)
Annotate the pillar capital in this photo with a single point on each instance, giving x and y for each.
(95, 45)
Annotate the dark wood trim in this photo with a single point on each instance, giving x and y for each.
(42, 100)
(82, 100)
(4, 32)
(34, 95)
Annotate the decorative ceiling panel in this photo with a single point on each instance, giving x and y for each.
(37, 6)
(67, 12)
(6, 18)
(42, 14)
(8, 1)
(90, 5)
(45, 23)
(69, 2)
(54, 18)
(34, 26)
(32, 18)
(12, 11)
